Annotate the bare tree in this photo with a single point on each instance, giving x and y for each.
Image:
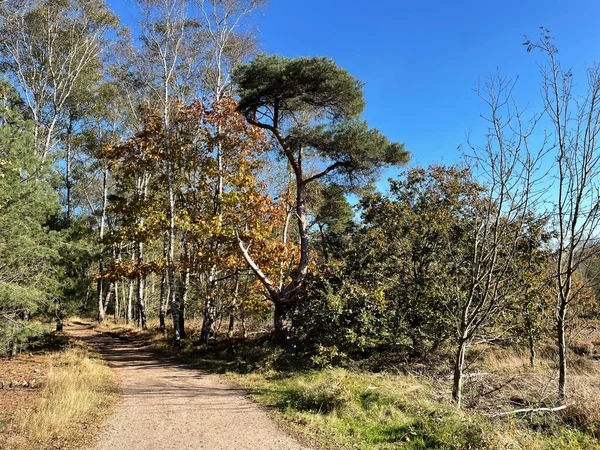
(228, 39)
(489, 266)
(575, 124)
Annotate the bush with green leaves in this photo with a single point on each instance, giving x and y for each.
(336, 316)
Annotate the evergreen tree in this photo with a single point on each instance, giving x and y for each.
(28, 248)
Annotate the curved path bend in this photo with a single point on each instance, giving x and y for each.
(167, 405)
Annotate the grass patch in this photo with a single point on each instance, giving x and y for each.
(340, 408)
(365, 411)
(73, 397)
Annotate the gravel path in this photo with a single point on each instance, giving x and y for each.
(167, 405)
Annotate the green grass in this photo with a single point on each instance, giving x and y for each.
(340, 408)
(365, 411)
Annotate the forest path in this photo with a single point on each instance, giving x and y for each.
(168, 405)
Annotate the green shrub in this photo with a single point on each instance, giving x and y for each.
(17, 335)
(336, 316)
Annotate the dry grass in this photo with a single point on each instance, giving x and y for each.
(74, 395)
(504, 381)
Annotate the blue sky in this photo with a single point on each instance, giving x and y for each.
(421, 60)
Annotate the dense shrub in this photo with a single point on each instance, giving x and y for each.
(335, 316)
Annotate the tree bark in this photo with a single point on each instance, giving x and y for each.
(171, 249)
(59, 320)
(68, 180)
(164, 290)
(116, 301)
(324, 243)
(281, 327)
(244, 329)
(141, 307)
(128, 314)
(459, 362)
(562, 351)
(210, 312)
(101, 310)
(531, 351)
(185, 287)
(109, 295)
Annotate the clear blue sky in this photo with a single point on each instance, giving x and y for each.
(421, 60)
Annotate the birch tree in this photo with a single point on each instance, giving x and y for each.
(45, 47)
(229, 40)
(167, 50)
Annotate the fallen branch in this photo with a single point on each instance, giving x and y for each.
(491, 391)
(530, 410)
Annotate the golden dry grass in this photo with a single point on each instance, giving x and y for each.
(504, 381)
(74, 395)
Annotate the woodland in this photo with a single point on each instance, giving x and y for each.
(174, 178)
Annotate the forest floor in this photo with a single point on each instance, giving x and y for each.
(171, 405)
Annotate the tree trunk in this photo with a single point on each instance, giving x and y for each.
(232, 307)
(128, 313)
(101, 311)
(302, 269)
(141, 192)
(531, 350)
(244, 329)
(141, 307)
(530, 335)
(210, 309)
(68, 177)
(59, 320)
(171, 198)
(109, 294)
(116, 301)
(185, 287)
(210, 312)
(324, 243)
(231, 324)
(562, 350)
(281, 327)
(164, 295)
(459, 362)
(164, 292)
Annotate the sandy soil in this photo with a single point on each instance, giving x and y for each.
(168, 405)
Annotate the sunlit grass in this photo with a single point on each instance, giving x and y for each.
(347, 409)
(73, 396)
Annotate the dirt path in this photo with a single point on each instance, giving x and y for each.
(167, 405)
